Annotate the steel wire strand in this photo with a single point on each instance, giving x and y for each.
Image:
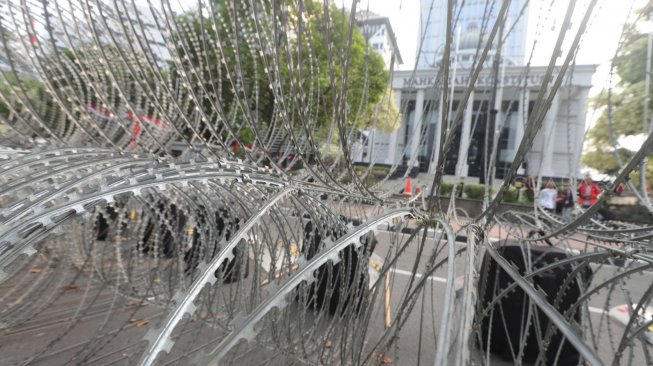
(563, 326)
(304, 274)
(82, 184)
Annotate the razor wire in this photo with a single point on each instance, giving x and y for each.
(169, 194)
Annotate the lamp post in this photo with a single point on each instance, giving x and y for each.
(647, 127)
(486, 174)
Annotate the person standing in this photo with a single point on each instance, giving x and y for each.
(567, 203)
(588, 192)
(548, 197)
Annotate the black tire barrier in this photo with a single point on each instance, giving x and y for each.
(238, 267)
(102, 226)
(339, 286)
(508, 320)
(167, 243)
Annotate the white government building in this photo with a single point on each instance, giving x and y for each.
(378, 33)
(557, 148)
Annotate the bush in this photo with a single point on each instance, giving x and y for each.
(632, 213)
(369, 181)
(511, 195)
(445, 189)
(474, 191)
(380, 170)
(530, 195)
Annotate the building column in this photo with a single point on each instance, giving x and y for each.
(522, 119)
(461, 166)
(579, 132)
(370, 145)
(417, 127)
(549, 138)
(436, 141)
(394, 136)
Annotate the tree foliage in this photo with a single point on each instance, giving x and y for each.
(70, 85)
(312, 48)
(384, 114)
(622, 110)
(256, 65)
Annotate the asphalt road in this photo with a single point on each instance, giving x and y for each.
(115, 339)
(424, 321)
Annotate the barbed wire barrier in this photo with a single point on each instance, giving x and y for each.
(177, 186)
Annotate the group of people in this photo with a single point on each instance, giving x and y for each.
(588, 193)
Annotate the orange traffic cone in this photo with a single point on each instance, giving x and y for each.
(409, 187)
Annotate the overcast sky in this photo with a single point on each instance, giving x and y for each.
(598, 45)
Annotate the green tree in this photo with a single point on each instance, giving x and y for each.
(384, 114)
(69, 84)
(230, 67)
(12, 92)
(11, 50)
(622, 112)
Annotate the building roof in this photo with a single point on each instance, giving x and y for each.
(365, 17)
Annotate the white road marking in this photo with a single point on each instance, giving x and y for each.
(419, 275)
(592, 309)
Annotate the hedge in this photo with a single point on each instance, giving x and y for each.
(511, 195)
(474, 191)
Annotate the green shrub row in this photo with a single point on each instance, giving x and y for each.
(369, 180)
(445, 189)
(476, 192)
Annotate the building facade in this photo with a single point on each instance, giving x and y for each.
(380, 37)
(473, 22)
(377, 30)
(108, 23)
(557, 146)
